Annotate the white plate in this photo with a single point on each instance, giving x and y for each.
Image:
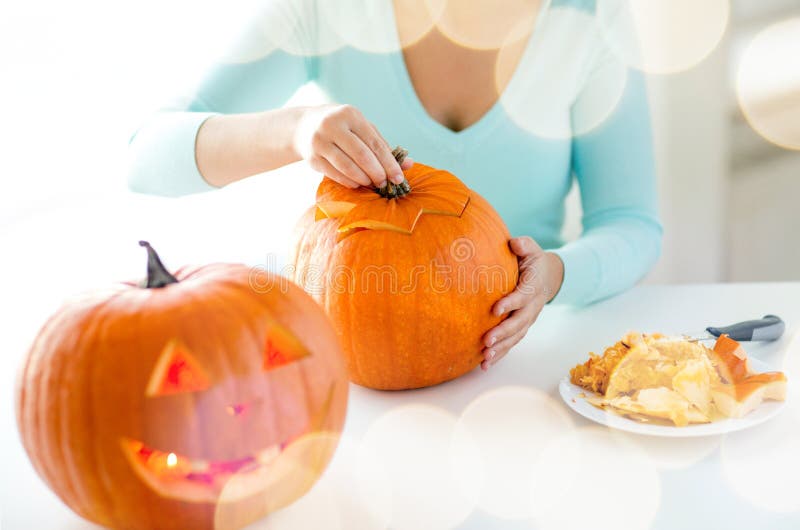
(571, 394)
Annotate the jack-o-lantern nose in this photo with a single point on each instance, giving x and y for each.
(236, 410)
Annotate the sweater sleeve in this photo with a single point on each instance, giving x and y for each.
(162, 151)
(615, 170)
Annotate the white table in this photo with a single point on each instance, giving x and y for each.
(486, 451)
(499, 450)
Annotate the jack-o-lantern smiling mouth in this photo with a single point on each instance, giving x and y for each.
(198, 480)
(174, 475)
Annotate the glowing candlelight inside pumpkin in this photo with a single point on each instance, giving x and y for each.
(168, 464)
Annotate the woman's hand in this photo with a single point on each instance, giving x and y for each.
(540, 277)
(338, 141)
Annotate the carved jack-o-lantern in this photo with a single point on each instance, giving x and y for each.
(195, 401)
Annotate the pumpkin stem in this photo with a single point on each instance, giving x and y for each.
(391, 191)
(157, 274)
(399, 154)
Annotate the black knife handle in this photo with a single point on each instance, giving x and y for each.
(768, 328)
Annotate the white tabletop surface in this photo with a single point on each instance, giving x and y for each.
(489, 450)
(499, 450)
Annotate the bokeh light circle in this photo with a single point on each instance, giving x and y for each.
(258, 35)
(763, 465)
(506, 429)
(284, 25)
(768, 83)
(378, 27)
(483, 25)
(316, 509)
(672, 453)
(560, 101)
(405, 472)
(294, 470)
(509, 58)
(417, 19)
(331, 504)
(663, 36)
(608, 483)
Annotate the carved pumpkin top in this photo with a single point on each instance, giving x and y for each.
(433, 192)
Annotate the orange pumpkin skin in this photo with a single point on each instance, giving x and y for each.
(250, 373)
(409, 282)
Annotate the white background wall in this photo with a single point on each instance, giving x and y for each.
(727, 195)
(692, 153)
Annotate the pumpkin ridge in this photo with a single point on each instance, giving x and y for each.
(100, 313)
(56, 372)
(29, 407)
(108, 482)
(99, 457)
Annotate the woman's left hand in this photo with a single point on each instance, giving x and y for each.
(540, 277)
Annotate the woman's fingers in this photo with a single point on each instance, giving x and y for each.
(407, 161)
(526, 290)
(528, 251)
(524, 246)
(342, 136)
(492, 357)
(516, 299)
(501, 348)
(524, 303)
(379, 147)
(516, 321)
(321, 165)
(363, 157)
(345, 165)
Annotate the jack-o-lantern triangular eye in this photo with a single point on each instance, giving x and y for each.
(282, 347)
(176, 371)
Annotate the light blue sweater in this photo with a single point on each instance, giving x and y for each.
(570, 110)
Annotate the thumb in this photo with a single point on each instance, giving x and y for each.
(524, 246)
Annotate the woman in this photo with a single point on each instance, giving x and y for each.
(514, 102)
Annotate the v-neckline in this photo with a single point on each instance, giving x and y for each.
(484, 122)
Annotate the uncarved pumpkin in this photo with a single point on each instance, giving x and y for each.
(408, 276)
(201, 400)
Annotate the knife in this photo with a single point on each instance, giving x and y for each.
(768, 328)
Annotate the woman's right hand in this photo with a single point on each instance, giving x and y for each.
(338, 141)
